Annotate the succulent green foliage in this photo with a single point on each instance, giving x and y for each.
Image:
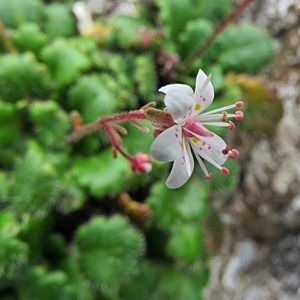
(195, 33)
(175, 284)
(48, 112)
(65, 62)
(145, 76)
(215, 10)
(29, 37)
(102, 174)
(16, 12)
(243, 48)
(34, 185)
(59, 21)
(37, 283)
(176, 206)
(125, 31)
(9, 123)
(21, 76)
(93, 96)
(176, 13)
(13, 252)
(185, 243)
(143, 283)
(34, 231)
(70, 194)
(108, 251)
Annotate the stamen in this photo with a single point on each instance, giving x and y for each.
(211, 161)
(239, 103)
(233, 153)
(201, 164)
(218, 124)
(225, 170)
(236, 104)
(209, 176)
(239, 115)
(214, 117)
(231, 125)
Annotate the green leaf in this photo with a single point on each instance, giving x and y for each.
(16, 12)
(64, 61)
(29, 38)
(176, 13)
(44, 113)
(126, 31)
(37, 283)
(34, 185)
(143, 284)
(108, 251)
(59, 20)
(145, 76)
(9, 123)
(13, 252)
(169, 207)
(179, 285)
(21, 76)
(195, 33)
(215, 10)
(35, 231)
(102, 174)
(185, 242)
(243, 48)
(92, 97)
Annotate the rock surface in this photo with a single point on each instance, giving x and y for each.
(259, 257)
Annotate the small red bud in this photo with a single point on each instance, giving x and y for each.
(141, 163)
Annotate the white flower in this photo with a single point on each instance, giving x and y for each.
(187, 110)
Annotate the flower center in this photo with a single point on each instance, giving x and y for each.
(195, 128)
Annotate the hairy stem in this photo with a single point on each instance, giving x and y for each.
(80, 131)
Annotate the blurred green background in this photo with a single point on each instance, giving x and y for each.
(74, 222)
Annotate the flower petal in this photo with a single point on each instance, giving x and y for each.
(182, 168)
(177, 87)
(180, 105)
(211, 147)
(204, 92)
(166, 147)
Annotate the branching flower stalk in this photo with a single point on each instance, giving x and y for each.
(111, 124)
(178, 129)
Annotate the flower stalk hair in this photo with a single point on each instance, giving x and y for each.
(182, 131)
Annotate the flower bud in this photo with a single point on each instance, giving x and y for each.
(141, 163)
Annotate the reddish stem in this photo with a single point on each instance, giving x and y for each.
(238, 9)
(94, 126)
(114, 141)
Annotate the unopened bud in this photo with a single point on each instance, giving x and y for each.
(141, 163)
